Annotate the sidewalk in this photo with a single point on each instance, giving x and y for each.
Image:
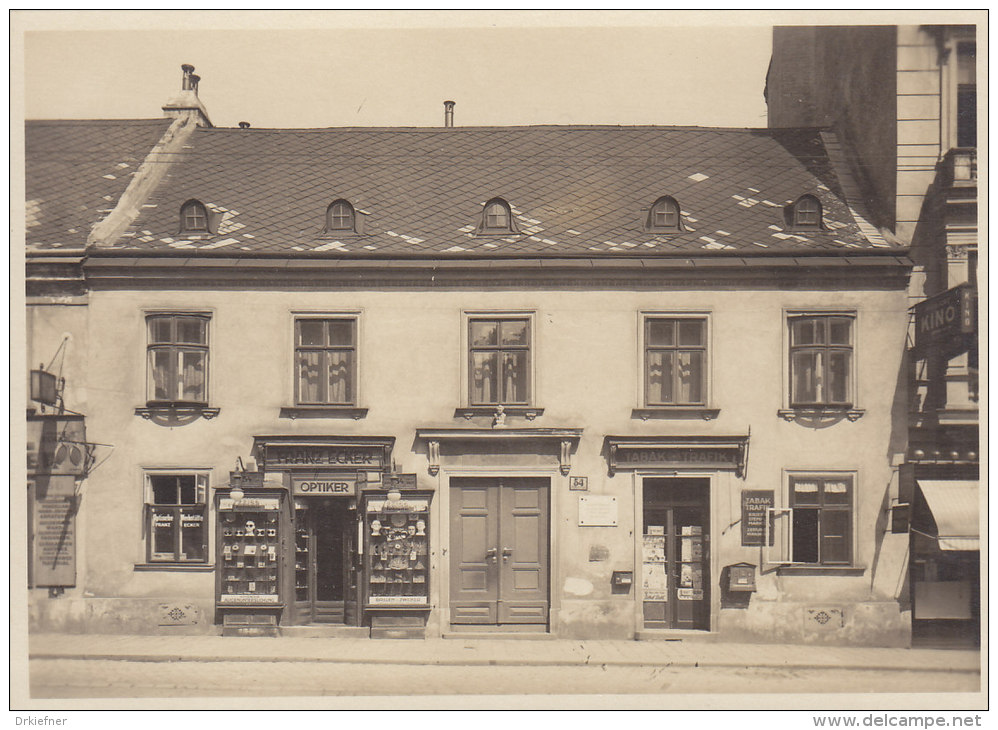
(499, 652)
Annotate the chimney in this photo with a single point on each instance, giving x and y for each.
(186, 104)
(244, 125)
(448, 113)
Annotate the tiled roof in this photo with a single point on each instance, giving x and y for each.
(575, 191)
(76, 172)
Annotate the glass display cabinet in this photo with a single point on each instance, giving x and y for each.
(397, 563)
(250, 532)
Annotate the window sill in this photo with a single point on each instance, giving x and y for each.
(490, 411)
(176, 409)
(823, 412)
(175, 567)
(847, 570)
(703, 412)
(323, 412)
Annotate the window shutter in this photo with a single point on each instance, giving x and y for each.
(202, 484)
(778, 536)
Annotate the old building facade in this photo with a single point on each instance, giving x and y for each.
(903, 100)
(594, 382)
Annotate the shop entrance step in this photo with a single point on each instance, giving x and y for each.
(326, 631)
(689, 635)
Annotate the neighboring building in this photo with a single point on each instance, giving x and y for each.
(903, 100)
(599, 382)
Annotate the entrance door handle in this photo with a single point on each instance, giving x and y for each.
(507, 553)
(490, 554)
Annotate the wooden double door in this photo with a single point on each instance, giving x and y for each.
(676, 553)
(499, 550)
(326, 573)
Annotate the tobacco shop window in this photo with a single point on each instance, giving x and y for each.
(193, 217)
(499, 360)
(821, 360)
(325, 361)
(821, 519)
(176, 517)
(177, 359)
(675, 361)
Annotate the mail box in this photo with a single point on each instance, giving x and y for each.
(741, 577)
(622, 577)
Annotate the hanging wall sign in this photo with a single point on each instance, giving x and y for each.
(755, 505)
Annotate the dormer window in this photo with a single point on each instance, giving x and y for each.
(664, 217)
(497, 218)
(193, 217)
(806, 213)
(340, 216)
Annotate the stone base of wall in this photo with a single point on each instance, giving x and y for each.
(875, 623)
(150, 616)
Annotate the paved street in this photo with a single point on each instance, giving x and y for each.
(68, 678)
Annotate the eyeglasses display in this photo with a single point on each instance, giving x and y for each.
(397, 551)
(249, 551)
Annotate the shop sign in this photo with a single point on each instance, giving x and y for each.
(659, 456)
(756, 504)
(401, 482)
(943, 321)
(313, 455)
(344, 485)
(248, 599)
(57, 446)
(402, 505)
(689, 594)
(396, 600)
(53, 549)
(253, 503)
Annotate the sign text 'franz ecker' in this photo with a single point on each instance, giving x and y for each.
(319, 455)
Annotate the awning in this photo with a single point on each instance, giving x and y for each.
(955, 506)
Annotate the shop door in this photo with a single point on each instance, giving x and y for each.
(499, 551)
(675, 554)
(325, 550)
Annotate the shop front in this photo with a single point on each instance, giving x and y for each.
(293, 535)
(676, 481)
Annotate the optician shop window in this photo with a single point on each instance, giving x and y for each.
(176, 517)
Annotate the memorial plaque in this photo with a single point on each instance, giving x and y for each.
(54, 545)
(597, 511)
(755, 506)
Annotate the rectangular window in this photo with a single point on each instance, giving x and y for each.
(821, 354)
(325, 361)
(966, 95)
(821, 518)
(675, 361)
(177, 358)
(176, 517)
(499, 361)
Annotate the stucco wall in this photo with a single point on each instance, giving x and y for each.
(587, 371)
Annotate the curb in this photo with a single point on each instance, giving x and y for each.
(687, 663)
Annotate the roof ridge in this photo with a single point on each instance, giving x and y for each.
(508, 128)
(154, 120)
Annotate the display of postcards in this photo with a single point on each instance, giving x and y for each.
(656, 529)
(692, 547)
(653, 549)
(692, 530)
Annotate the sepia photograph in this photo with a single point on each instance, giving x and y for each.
(493, 359)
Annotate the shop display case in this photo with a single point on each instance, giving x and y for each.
(250, 532)
(397, 563)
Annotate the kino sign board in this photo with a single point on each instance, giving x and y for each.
(943, 322)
